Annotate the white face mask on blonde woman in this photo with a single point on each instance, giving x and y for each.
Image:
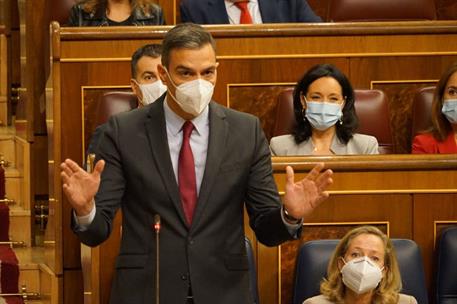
(362, 265)
(361, 275)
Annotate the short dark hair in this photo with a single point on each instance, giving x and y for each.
(151, 50)
(185, 36)
(440, 124)
(346, 129)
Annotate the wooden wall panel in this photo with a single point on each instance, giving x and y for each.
(4, 75)
(257, 99)
(72, 281)
(169, 10)
(73, 125)
(320, 7)
(7, 63)
(446, 9)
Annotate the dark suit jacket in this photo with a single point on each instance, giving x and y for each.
(139, 178)
(272, 11)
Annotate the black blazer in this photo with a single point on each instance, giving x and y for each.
(272, 11)
(139, 178)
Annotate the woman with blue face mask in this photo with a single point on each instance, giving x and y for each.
(325, 118)
(442, 136)
(362, 269)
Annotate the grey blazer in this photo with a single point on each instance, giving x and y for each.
(210, 254)
(404, 299)
(285, 145)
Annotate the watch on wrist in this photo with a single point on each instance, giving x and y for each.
(290, 218)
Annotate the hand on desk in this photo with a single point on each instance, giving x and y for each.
(302, 197)
(80, 186)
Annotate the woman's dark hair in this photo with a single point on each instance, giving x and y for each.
(440, 125)
(344, 130)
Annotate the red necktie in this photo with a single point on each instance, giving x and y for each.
(245, 17)
(186, 174)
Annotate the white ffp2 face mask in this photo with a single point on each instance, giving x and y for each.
(361, 275)
(193, 96)
(151, 91)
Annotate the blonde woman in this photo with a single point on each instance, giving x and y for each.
(115, 13)
(363, 270)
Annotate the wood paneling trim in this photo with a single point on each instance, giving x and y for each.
(367, 163)
(268, 30)
(53, 233)
(288, 56)
(55, 41)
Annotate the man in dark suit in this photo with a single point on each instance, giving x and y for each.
(261, 11)
(196, 164)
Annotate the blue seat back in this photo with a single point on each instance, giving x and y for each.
(252, 271)
(446, 275)
(314, 256)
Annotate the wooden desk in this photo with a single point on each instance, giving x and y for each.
(255, 63)
(407, 196)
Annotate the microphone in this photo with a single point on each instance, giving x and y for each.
(157, 223)
(157, 227)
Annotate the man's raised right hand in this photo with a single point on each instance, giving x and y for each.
(80, 186)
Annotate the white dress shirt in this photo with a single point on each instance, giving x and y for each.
(234, 12)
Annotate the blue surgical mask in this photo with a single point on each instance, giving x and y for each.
(449, 110)
(323, 115)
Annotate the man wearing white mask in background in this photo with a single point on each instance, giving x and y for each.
(196, 164)
(145, 83)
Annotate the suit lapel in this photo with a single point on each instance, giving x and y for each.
(156, 131)
(218, 132)
(268, 11)
(216, 8)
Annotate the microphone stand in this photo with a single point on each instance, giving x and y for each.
(157, 230)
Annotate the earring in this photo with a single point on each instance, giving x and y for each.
(341, 121)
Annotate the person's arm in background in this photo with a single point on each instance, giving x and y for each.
(74, 18)
(185, 13)
(161, 20)
(305, 13)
